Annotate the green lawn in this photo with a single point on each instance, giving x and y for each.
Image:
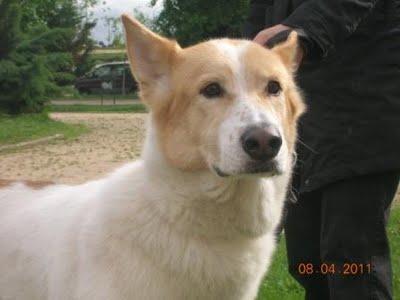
(99, 57)
(394, 233)
(279, 284)
(97, 108)
(72, 94)
(15, 129)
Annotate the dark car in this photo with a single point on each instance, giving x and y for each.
(112, 77)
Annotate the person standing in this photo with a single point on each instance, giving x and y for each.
(348, 160)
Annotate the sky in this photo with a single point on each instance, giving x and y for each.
(114, 8)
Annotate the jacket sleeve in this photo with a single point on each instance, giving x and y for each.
(326, 23)
(256, 20)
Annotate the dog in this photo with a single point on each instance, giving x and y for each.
(194, 218)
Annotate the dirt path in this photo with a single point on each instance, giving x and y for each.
(113, 140)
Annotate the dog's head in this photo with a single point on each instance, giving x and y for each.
(226, 105)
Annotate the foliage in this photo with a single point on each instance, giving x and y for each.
(9, 27)
(44, 44)
(51, 45)
(82, 46)
(24, 79)
(69, 25)
(149, 22)
(115, 37)
(191, 21)
(55, 13)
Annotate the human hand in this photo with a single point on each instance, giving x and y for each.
(265, 35)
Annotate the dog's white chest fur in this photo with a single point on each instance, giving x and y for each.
(145, 232)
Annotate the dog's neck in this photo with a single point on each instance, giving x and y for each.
(231, 206)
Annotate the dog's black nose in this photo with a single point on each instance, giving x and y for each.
(261, 142)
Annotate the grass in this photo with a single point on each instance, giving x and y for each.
(110, 56)
(16, 129)
(280, 285)
(70, 93)
(137, 108)
(97, 97)
(394, 236)
(130, 96)
(108, 50)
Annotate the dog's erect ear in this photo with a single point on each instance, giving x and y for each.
(149, 53)
(288, 51)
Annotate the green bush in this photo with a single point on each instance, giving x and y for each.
(24, 79)
(53, 49)
(192, 21)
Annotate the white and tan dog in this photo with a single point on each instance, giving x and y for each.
(194, 218)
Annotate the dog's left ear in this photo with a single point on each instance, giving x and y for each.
(149, 54)
(288, 51)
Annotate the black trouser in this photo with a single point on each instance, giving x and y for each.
(336, 239)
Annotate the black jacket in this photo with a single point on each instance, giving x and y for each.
(351, 83)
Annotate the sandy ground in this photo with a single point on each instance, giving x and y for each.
(113, 140)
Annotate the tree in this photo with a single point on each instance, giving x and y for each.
(115, 37)
(191, 21)
(24, 79)
(55, 13)
(149, 22)
(10, 27)
(42, 43)
(72, 18)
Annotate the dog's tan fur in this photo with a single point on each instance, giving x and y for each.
(37, 185)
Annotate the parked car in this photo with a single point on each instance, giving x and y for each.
(112, 77)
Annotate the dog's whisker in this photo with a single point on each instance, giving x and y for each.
(307, 146)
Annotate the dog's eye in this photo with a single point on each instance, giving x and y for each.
(212, 90)
(273, 88)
